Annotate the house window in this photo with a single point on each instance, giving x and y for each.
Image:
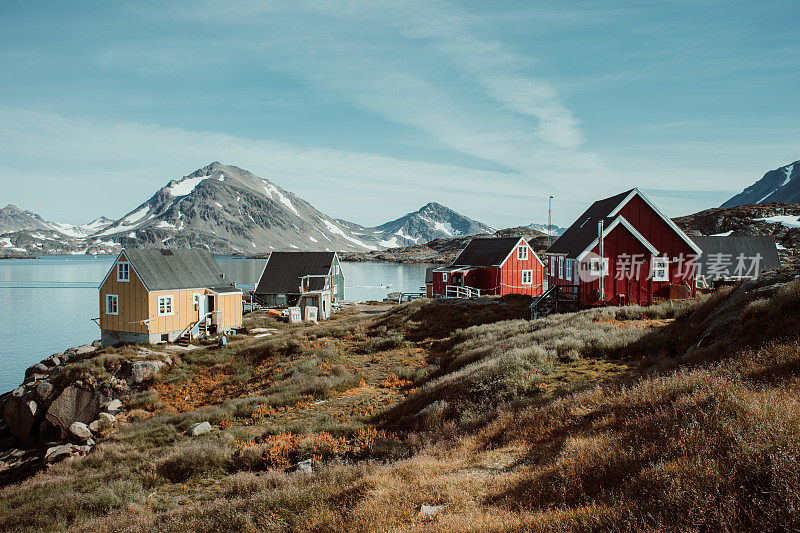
(560, 268)
(660, 269)
(444, 277)
(123, 271)
(196, 301)
(165, 306)
(569, 270)
(553, 265)
(112, 304)
(522, 253)
(594, 266)
(527, 277)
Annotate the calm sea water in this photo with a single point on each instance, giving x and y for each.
(48, 304)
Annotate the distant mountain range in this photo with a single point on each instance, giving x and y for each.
(553, 230)
(779, 185)
(227, 210)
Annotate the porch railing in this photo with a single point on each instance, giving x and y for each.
(456, 291)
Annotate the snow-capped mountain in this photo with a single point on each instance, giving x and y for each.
(227, 210)
(779, 185)
(13, 219)
(230, 210)
(432, 221)
(554, 230)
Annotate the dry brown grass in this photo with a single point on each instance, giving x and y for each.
(575, 422)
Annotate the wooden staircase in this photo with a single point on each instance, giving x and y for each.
(558, 298)
(186, 338)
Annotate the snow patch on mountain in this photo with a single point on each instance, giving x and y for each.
(185, 186)
(272, 190)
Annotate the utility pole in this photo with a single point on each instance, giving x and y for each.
(549, 219)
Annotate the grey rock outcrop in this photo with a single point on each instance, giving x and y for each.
(199, 428)
(74, 404)
(80, 431)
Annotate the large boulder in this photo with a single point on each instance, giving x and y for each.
(22, 415)
(142, 371)
(74, 404)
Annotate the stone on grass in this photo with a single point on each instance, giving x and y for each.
(198, 429)
(304, 467)
(80, 431)
(114, 406)
(428, 512)
(58, 452)
(107, 418)
(141, 371)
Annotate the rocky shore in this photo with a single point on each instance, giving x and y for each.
(67, 403)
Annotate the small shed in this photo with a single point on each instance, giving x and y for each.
(735, 257)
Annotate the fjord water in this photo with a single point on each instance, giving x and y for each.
(47, 304)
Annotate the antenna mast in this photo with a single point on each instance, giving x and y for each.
(549, 219)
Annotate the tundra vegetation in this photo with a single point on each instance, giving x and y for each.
(680, 416)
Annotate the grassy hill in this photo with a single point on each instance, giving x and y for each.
(675, 417)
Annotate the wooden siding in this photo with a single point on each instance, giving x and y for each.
(132, 302)
(185, 314)
(136, 306)
(620, 241)
(499, 281)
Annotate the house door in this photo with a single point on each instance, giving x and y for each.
(458, 279)
(210, 301)
(201, 306)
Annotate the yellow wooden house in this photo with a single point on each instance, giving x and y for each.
(152, 295)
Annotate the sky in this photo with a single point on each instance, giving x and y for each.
(369, 110)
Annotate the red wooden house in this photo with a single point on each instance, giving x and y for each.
(624, 250)
(491, 266)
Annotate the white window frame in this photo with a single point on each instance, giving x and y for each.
(169, 309)
(127, 271)
(594, 266)
(112, 298)
(444, 277)
(522, 253)
(568, 271)
(660, 266)
(527, 277)
(553, 265)
(196, 300)
(560, 267)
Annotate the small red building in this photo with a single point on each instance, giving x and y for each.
(491, 266)
(624, 250)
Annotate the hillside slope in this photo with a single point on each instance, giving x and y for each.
(455, 416)
(779, 185)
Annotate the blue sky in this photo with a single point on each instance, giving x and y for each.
(371, 109)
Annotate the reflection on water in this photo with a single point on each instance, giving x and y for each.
(47, 304)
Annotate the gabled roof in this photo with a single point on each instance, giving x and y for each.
(731, 247)
(164, 270)
(491, 251)
(581, 235)
(283, 271)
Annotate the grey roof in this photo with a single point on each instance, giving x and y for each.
(584, 230)
(486, 251)
(163, 270)
(284, 270)
(731, 248)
